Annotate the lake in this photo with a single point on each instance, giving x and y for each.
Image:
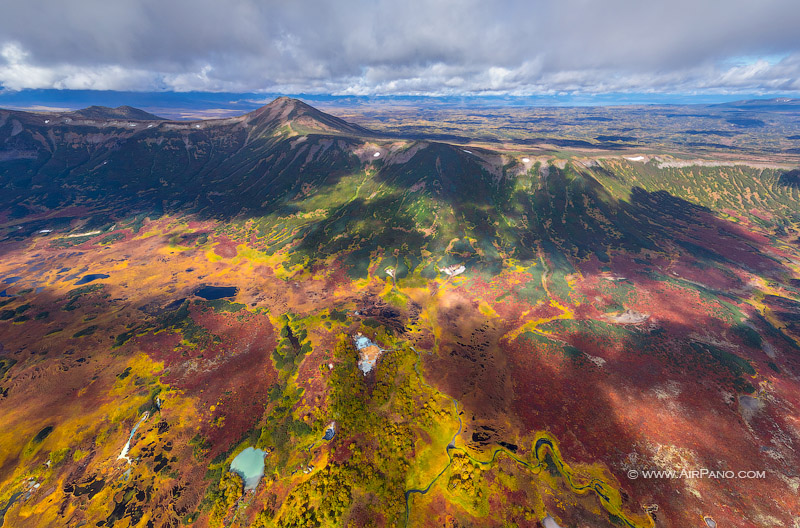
(86, 279)
(249, 464)
(211, 293)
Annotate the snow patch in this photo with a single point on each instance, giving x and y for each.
(668, 391)
(124, 454)
(455, 269)
(88, 233)
(627, 317)
(549, 522)
(368, 353)
(600, 362)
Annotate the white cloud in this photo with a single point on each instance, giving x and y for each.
(19, 73)
(420, 46)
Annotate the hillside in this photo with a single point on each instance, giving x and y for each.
(120, 112)
(536, 326)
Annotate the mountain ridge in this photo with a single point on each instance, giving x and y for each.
(120, 112)
(775, 104)
(279, 112)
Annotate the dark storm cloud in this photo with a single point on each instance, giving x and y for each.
(352, 46)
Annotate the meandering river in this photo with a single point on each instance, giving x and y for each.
(544, 444)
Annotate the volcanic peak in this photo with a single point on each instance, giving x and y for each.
(302, 118)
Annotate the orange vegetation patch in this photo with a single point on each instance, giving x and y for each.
(225, 247)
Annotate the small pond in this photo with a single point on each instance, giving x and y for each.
(249, 464)
(86, 279)
(330, 432)
(211, 293)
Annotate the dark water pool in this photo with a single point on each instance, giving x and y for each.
(86, 279)
(211, 293)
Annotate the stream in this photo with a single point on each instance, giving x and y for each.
(596, 485)
(451, 445)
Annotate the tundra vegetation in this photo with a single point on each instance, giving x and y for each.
(549, 319)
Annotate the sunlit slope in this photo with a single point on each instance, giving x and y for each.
(331, 183)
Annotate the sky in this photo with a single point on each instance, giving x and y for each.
(413, 47)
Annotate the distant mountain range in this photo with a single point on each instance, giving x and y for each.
(777, 104)
(192, 105)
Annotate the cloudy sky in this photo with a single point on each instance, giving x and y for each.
(376, 47)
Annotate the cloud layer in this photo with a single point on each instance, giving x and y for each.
(413, 47)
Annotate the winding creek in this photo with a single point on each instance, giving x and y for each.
(544, 444)
(450, 446)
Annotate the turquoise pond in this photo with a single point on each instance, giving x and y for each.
(249, 464)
